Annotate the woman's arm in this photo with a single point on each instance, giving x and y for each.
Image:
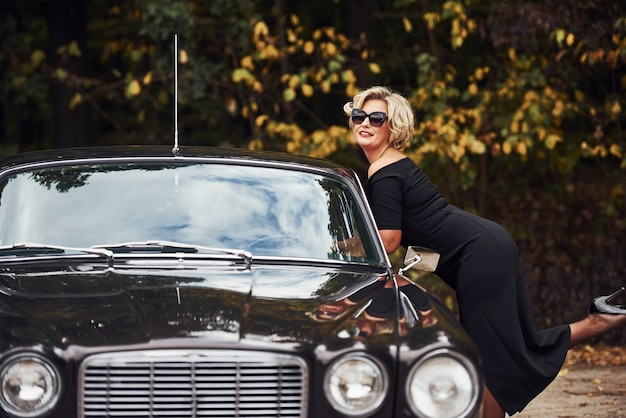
(391, 239)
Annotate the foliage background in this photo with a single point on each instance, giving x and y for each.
(519, 103)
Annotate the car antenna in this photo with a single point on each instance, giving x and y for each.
(175, 150)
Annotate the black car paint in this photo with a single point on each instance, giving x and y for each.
(67, 310)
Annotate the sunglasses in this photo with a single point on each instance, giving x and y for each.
(376, 118)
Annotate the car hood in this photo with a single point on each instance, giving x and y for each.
(120, 308)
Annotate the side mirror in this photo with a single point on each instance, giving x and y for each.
(420, 258)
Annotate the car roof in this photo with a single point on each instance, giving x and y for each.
(165, 153)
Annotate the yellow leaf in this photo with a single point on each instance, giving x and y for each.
(579, 95)
(348, 76)
(337, 131)
(524, 127)
(408, 27)
(351, 90)
(457, 42)
(270, 52)
(506, 148)
(374, 68)
(74, 50)
(183, 58)
(309, 47)
(246, 62)
(36, 57)
(260, 30)
(294, 80)
(472, 89)
(147, 79)
(260, 120)
(559, 35)
(552, 140)
(477, 147)
(307, 90)
(241, 74)
(75, 101)
(291, 36)
(558, 109)
(255, 144)
(512, 54)
(132, 89)
(230, 105)
(541, 134)
(616, 108)
(61, 74)
(570, 39)
(522, 149)
(318, 136)
(329, 49)
(431, 20)
(616, 150)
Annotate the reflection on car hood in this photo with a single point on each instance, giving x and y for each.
(111, 307)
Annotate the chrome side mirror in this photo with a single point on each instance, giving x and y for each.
(420, 258)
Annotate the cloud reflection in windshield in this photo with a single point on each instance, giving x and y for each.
(267, 211)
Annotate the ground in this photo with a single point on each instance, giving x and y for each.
(591, 384)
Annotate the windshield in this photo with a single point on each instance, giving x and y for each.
(266, 211)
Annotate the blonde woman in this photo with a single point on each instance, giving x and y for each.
(479, 259)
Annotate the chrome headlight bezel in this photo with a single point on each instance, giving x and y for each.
(35, 368)
(445, 363)
(361, 366)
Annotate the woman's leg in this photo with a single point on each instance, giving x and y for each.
(491, 407)
(594, 325)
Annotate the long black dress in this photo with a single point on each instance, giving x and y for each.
(479, 260)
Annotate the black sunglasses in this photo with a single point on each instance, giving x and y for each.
(376, 118)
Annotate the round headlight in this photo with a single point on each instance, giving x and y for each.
(355, 385)
(29, 386)
(443, 385)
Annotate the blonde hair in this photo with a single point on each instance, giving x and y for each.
(400, 115)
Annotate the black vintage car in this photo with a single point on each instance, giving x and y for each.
(142, 282)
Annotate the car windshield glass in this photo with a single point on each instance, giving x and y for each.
(266, 211)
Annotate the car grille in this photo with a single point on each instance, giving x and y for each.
(192, 383)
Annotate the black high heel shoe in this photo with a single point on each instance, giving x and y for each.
(601, 305)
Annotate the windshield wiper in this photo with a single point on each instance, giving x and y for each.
(29, 249)
(169, 247)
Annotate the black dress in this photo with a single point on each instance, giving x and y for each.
(479, 260)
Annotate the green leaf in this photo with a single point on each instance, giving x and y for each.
(289, 94)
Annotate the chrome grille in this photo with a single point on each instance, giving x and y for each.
(184, 383)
